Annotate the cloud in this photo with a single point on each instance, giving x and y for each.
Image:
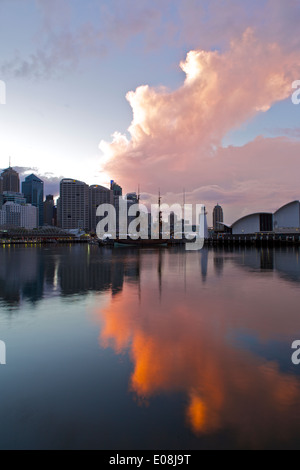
(259, 176)
(66, 37)
(51, 182)
(188, 355)
(216, 22)
(292, 133)
(176, 136)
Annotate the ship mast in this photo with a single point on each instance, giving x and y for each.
(159, 215)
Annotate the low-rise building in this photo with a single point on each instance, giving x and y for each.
(18, 215)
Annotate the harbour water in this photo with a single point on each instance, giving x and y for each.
(131, 348)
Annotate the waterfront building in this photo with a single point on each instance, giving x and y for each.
(10, 180)
(74, 205)
(218, 219)
(19, 215)
(253, 223)
(2, 217)
(98, 195)
(117, 193)
(58, 213)
(33, 190)
(17, 198)
(287, 218)
(49, 210)
(131, 200)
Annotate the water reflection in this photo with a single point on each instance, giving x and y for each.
(21, 275)
(213, 327)
(191, 341)
(31, 273)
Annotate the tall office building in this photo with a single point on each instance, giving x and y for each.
(132, 200)
(218, 219)
(33, 190)
(49, 210)
(1, 192)
(58, 213)
(98, 195)
(11, 180)
(74, 205)
(2, 216)
(55, 216)
(117, 192)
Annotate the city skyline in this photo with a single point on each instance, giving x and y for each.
(149, 227)
(171, 84)
(77, 204)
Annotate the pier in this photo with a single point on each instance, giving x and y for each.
(256, 239)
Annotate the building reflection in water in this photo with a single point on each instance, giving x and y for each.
(21, 275)
(284, 261)
(179, 338)
(31, 272)
(182, 319)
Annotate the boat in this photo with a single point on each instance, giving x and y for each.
(106, 242)
(142, 242)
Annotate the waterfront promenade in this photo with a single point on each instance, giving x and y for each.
(258, 239)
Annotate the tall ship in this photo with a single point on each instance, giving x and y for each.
(159, 241)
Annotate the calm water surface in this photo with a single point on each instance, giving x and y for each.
(149, 349)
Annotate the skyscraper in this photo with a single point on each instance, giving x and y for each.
(11, 180)
(58, 213)
(33, 190)
(131, 200)
(218, 219)
(49, 210)
(98, 195)
(117, 192)
(74, 205)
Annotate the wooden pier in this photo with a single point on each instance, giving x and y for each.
(256, 239)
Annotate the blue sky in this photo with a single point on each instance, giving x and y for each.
(54, 121)
(68, 65)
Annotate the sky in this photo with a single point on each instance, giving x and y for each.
(190, 96)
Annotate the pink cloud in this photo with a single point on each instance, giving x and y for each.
(189, 354)
(176, 136)
(260, 176)
(63, 42)
(215, 22)
(292, 133)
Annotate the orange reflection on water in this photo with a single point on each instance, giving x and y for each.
(180, 342)
(196, 413)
